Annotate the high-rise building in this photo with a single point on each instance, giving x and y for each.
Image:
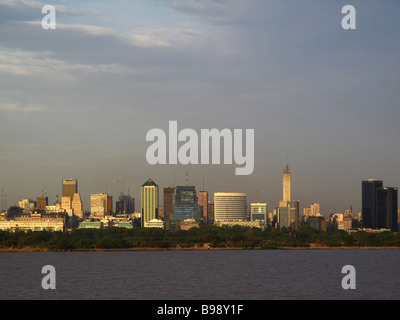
(186, 205)
(77, 205)
(313, 211)
(98, 205)
(109, 204)
(27, 204)
(69, 188)
(210, 212)
(230, 206)
(66, 203)
(125, 205)
(369, 202)
(288, 216)
(286, 184)
(387, 207)
(258, 211)
(42, 202)
(168, 209)
(203, 202)
(150, 202)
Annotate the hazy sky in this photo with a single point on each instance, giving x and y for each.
(78, 101)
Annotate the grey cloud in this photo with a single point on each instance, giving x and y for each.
(214, 11)
(23, 10)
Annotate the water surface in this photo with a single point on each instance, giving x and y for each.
(201, 275)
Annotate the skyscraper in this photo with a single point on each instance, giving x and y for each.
(286, 184)
(288, 216)
(69, 188)
(369, 202)
(186, 204)
(210, 212)
(203, 201)
(258, 211)
(109, 203)
(230, 206)
(387, 205)
(42, 202)
(98, 205)
(168, 208)
(66, 203)
(150, 197)
(125, 204)
(77, 205)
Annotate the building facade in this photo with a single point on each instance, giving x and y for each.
(186, 205)
(230, 206)
(288, 216)
(387, 207)
(35, 221)
(69, 188)
(168, 208)
(150, 201)
(125, 205)
(98, 205)
(203, 202)
(42, 202)
(369, 202)
(258, 212)
(76, 205)
(286, 187)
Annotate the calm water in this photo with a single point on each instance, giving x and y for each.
(201, 275)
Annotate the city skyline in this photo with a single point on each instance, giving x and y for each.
(161, 197)
(78, 101)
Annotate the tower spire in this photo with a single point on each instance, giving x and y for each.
(287, 169)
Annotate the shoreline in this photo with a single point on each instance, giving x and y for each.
(312, 247)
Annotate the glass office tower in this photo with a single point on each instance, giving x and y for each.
(387, 205)
(369, 202)
(186, 204)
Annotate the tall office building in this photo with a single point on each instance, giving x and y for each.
(169, 196)
(286, 187)
(125, 204)
(210, 212)
(42, 202)
(76, 205)
(313, 211)
(369, 202)
(149, 197)
(258, 211)
(98, 205)
(203, 202)
(69, 188)
(230, 206)
(109, 204)
(66, 203)
(288, 216)
(387, 207)
(186, 205)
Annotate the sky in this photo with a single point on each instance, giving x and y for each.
(78, 101)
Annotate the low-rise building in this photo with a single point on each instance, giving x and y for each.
(34, 222)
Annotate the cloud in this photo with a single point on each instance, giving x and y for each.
(214, 11)
(21, 108)
(25, 10)
(42, 65)
(145, 37)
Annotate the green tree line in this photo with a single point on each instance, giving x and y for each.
(215, 237)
